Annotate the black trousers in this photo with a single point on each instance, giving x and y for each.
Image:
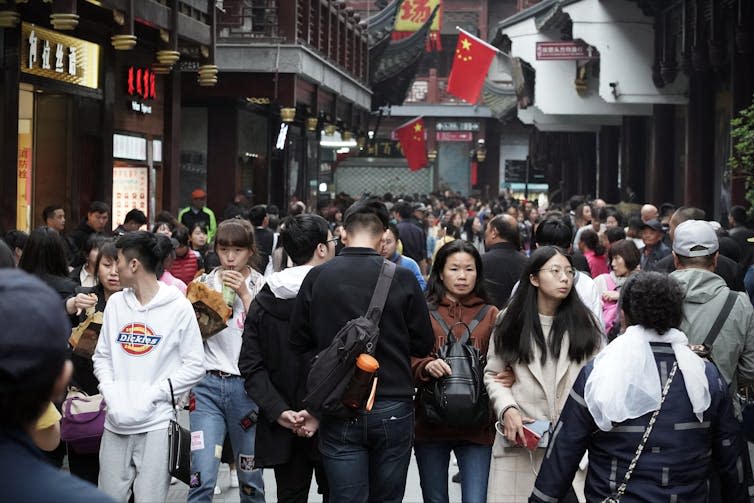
(294, 478)
(84, 466)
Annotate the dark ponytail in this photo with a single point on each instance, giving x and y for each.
(149, 249)
(592, 241)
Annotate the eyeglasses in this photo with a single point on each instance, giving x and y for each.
(558, 271)
(333, 240)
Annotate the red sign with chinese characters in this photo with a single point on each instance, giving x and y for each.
(569, 50)
(454, 136)
(141, 83)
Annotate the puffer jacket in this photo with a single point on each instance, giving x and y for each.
(733, 350)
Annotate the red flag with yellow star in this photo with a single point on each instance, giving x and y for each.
(471, 62)
(413, 143)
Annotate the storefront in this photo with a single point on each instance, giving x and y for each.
(60, 131)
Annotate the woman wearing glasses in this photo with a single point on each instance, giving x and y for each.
(545, 335)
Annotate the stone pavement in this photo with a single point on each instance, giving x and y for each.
(413, 490)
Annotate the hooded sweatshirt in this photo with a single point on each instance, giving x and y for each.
(139, 348)
(704, 296)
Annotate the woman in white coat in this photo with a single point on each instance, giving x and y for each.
(545, 336)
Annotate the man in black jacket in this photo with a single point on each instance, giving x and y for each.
(366, 457)
(503, 261)
(273, 372)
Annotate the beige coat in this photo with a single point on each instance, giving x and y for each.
(512, 471)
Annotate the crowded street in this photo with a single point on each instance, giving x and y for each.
(362, 251)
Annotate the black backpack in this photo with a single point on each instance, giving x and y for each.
(334, 366)
(459, 399)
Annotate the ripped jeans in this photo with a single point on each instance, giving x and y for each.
(220, 404)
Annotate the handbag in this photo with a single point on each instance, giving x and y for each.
(83, 421)
(179, 446)
(616, 496)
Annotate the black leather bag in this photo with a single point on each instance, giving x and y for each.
(460, 399)
(179, 446)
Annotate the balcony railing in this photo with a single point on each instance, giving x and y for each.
(325, 26)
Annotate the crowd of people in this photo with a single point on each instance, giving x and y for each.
(630, 337)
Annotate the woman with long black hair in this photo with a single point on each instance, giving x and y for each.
(545, 335)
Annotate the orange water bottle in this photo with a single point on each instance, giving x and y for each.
(361, 390)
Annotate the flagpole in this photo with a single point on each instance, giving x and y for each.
(482, 42)
(409, 122)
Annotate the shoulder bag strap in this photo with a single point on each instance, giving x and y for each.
(622, 489)
(714, 331)
(172, 399)
(376, 305)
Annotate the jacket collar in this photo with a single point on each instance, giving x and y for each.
(504, 245)
(357, 250)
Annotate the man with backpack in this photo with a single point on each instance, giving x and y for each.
(366, 455)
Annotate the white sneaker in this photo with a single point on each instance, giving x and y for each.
(217, 491)
(233, 478)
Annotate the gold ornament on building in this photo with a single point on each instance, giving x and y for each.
(119, 17)
(123, 42)
(432, 155)
(168, 57)
(311, 124)
(330, 129)
(207, 75)
(64, 21)
(160, 69)
(481, 151)
(9, 19)
(287, 114)
(347, 136)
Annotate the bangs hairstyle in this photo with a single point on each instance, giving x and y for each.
(106, 250)
(628, 250)
(235, 232)
(519, 330)
(436, 289)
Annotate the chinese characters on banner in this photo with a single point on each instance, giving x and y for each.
(412, 15)
(130, 190)
(23, 198)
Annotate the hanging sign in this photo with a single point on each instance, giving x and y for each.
(568, 50)
(141, 86)
(49, 54)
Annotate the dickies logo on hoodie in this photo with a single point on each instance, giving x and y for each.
(137, 339)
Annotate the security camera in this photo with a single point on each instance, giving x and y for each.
(613, 84)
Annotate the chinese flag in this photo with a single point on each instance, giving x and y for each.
(471, 62)
(413, 144)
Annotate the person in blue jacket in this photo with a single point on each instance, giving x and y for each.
(390, 251)
(612, 401)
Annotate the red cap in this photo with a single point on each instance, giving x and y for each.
(198, 194)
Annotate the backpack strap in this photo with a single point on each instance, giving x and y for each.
(436, 315)
(377, 304)
(471, 326)
(714, 331)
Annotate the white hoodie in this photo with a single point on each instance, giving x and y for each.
(139, 348)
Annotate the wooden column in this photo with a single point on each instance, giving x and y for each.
(660, 167)
(699, 180)
(172, 144)
(222, 152)
(608, 165)
(634, 154)
(9, 127)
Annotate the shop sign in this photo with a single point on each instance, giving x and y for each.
(457, 126)
(568, 50)
(454, 136)
(129, 147)
(141, 86)
(46, 53)
(382, 148)
(130, 190)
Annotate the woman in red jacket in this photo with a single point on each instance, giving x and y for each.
(455, 291)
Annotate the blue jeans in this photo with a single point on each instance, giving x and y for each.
(221, 404)
(366, 458)
(432, 459)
